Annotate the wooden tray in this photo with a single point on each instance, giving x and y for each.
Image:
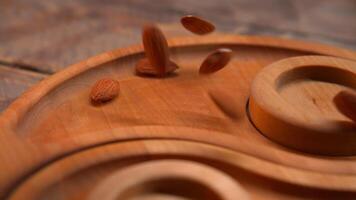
(166, 139)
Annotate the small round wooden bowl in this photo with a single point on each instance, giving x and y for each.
(292, 103)
(55, 143)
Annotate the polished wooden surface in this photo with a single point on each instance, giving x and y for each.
(38, 38)
(56, 144)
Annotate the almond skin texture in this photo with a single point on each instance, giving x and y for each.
(216, 61)
(226, 103)
(345, 102)
(104, 90)
(144, 67)
(156, 48)
(197, 25)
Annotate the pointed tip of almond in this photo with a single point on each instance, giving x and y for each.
(104, 90)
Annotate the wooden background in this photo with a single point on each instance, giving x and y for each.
(38, 38)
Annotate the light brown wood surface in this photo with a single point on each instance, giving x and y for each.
(55, 144)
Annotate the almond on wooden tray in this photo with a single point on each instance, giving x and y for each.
(158, 62)
(104, 90)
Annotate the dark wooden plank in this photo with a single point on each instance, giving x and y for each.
(50, 35)
(13, 82)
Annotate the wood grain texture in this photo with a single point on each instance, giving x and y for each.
(74, 144)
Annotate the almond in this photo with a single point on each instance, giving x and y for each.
(144, 67)
(345, 102)
(197, 25)
(226, 103)
(156, 48)
(104, 90)
(216, 61)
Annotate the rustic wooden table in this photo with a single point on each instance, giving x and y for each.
(39, 38)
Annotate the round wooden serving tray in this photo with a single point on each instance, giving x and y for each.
(164, 138)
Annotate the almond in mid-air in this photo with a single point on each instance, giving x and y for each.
(216, 61)
(197, 25)
(104, 90)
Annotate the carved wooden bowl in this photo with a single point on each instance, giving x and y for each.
(164, 138)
